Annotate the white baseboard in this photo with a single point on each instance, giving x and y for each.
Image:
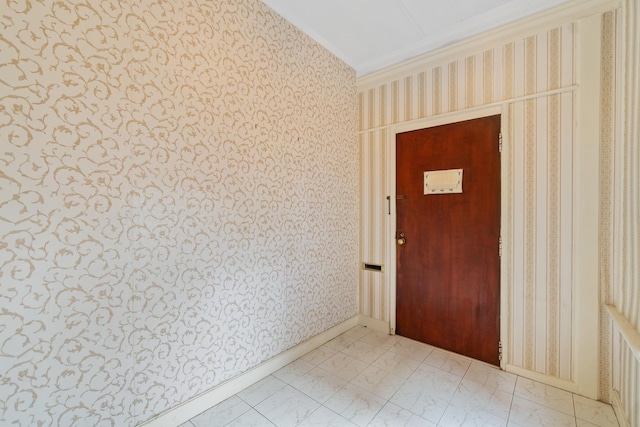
(376, 325)
(618, 409)
(542, 378)
(181, 414)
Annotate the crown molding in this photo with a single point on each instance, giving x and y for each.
(567, 12)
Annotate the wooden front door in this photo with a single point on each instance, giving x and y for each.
(448, 265)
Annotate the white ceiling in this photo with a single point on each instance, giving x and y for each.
(370, 35)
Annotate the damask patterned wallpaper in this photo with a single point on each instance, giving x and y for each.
(178, 202)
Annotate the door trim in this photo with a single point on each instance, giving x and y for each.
(392, 218)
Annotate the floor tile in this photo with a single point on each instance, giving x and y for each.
(491, 377)
(380, 339)
(595, 412)
(355, 404)
(457, 417)
(259, 391)
(448, 362)
(358, 332)
(344, 366)
(221, 414)
(319, 355)
(412, 349)
(367, 378)
(394, 416)
(400, 364)
(363, 351)
(471, 394)
(293, 371)
(319, 384)
(475, 404)
(325, 417)
(251, 418)
(530, 414)
(340, 342)
(288, 407)
(427, 392)
(583, 423)
(378, 381)
(546, 395)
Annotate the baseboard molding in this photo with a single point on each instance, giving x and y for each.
(619, 409)
(376, 325)
(181, 414)
(542, 378)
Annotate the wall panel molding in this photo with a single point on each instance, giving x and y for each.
(587, 225)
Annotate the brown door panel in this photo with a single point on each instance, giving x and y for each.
(448, 271)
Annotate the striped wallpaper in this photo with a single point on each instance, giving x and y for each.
(626, 292)
(540, 232)
(523, 67)
(534, 79)
(630, 384)
(540, 183)
(607, 133)
(629, 302)
(373, 292)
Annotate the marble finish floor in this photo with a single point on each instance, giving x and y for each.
(366, 378)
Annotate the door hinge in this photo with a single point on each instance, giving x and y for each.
(500, 246)
(500, 350)
(500, 142)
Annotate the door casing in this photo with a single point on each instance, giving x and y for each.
(392, 218)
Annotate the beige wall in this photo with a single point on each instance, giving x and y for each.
(178, 202)
(553, 90)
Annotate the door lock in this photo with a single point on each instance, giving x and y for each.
(401, 239)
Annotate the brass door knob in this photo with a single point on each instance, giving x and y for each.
(401, 239)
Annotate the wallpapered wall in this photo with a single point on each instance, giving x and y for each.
(626, 353)
(178, 202)
(540, 153)
(539, 184)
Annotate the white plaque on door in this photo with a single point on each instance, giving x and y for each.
(443, 182)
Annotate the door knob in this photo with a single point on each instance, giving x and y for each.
(401, 239)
